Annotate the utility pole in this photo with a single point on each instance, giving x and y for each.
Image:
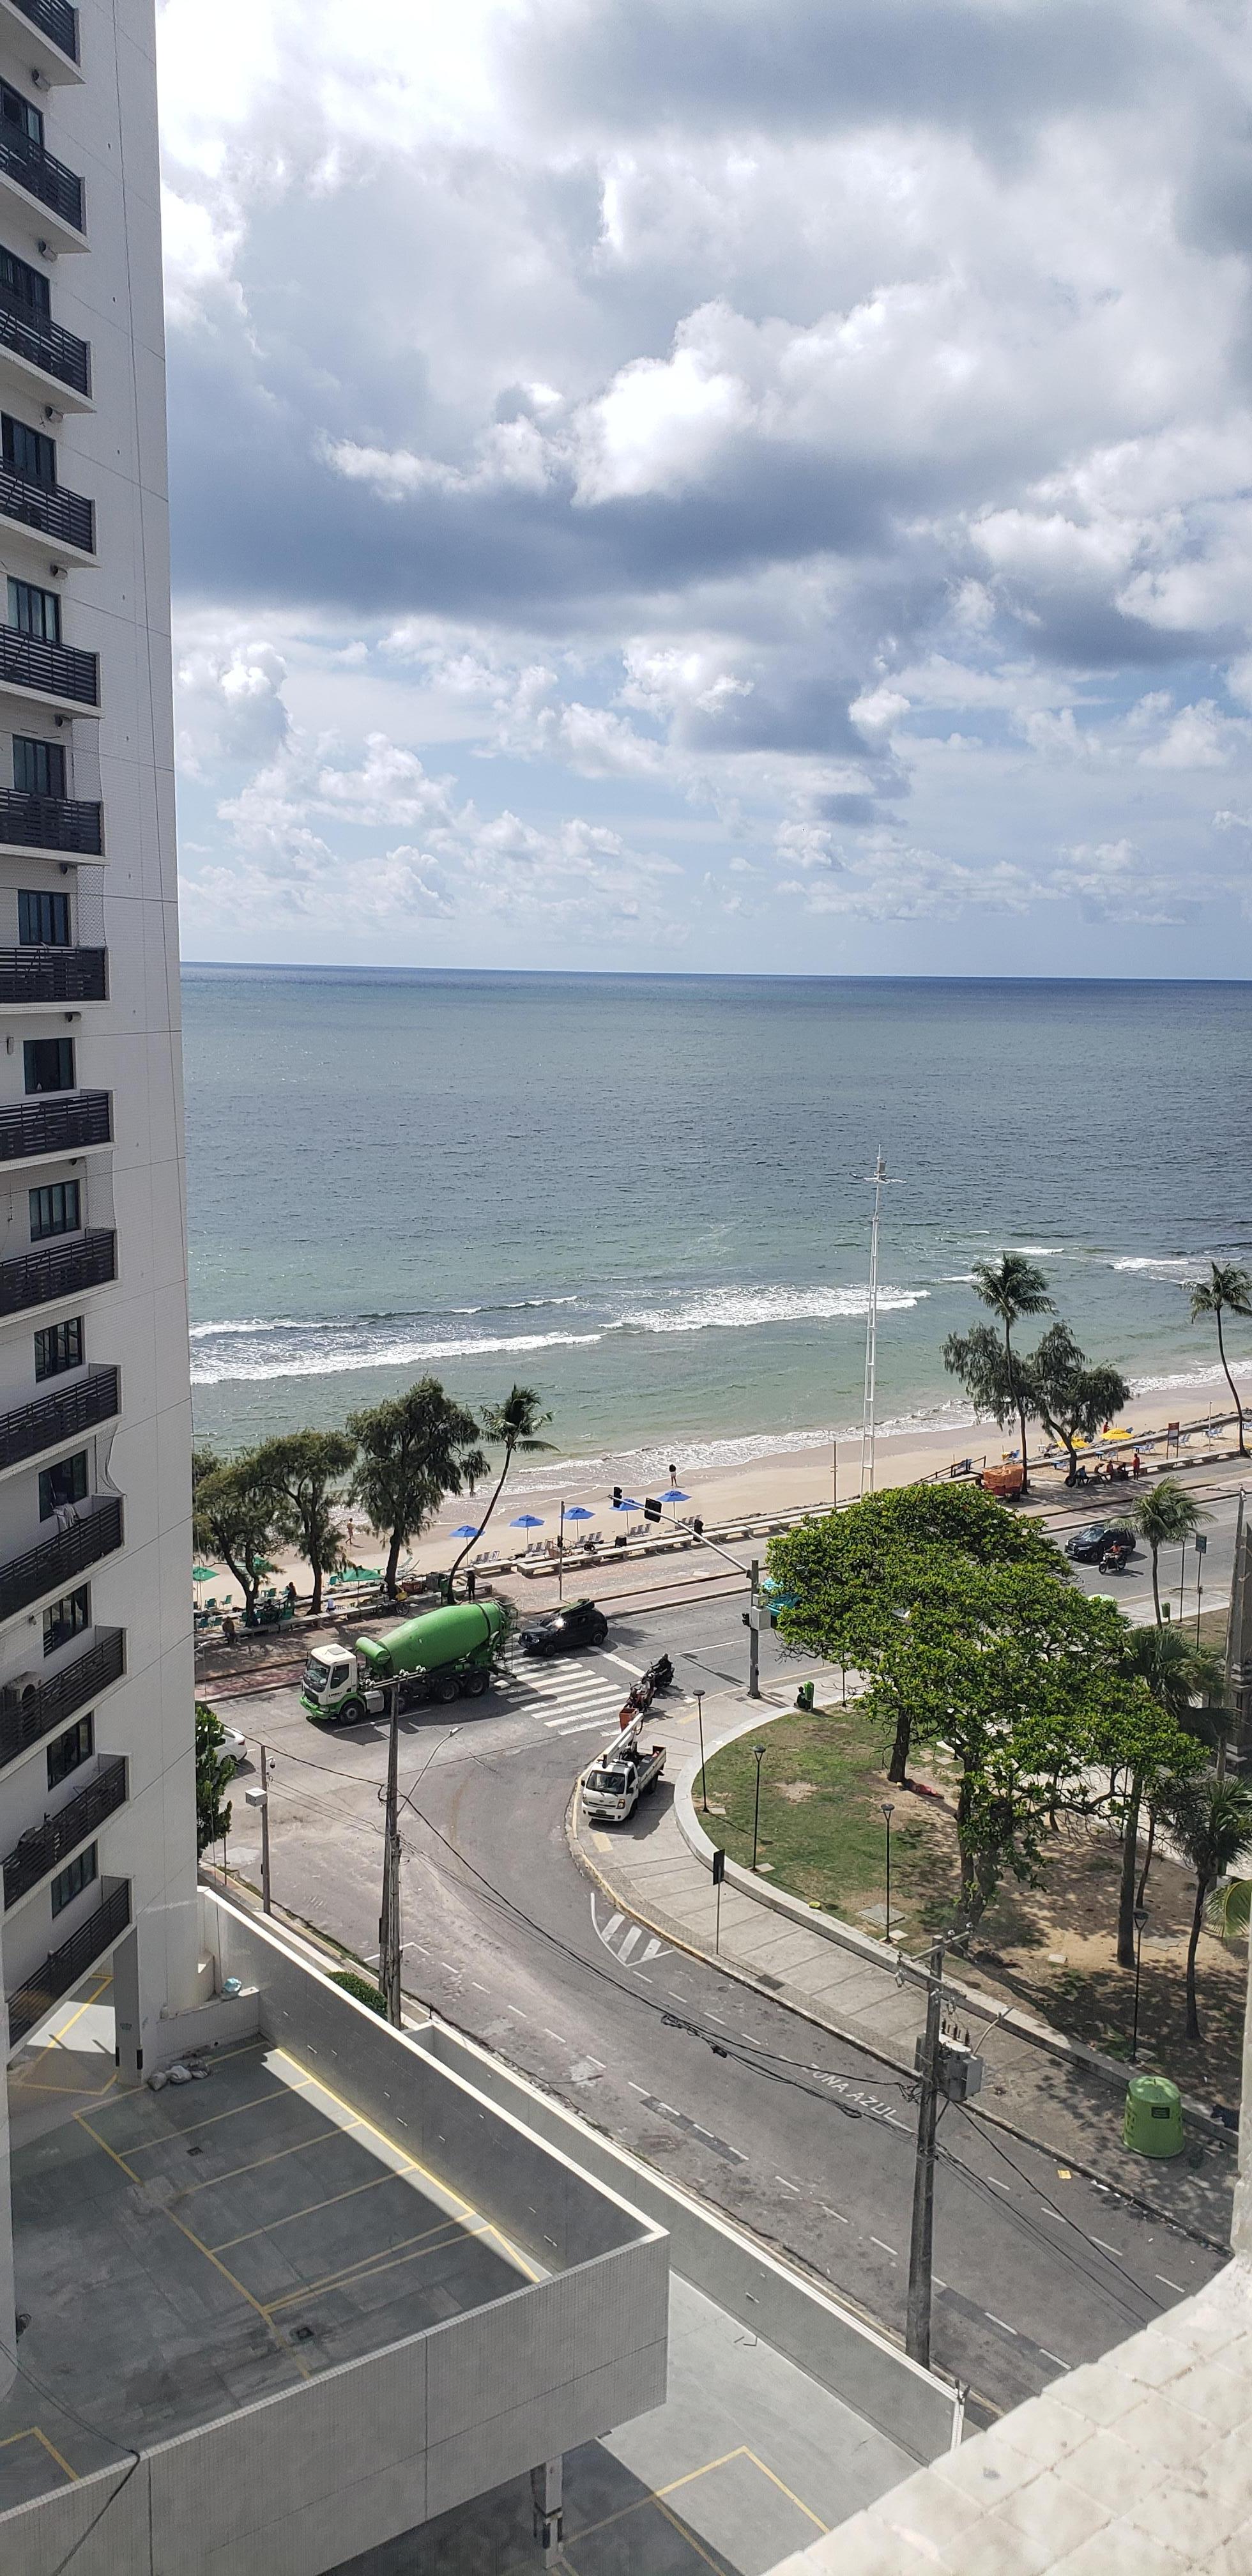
(921, 2241)
(754, 1631)
(260, 1800)
(878, 1176)
(1239, 1631)
(389, 1919)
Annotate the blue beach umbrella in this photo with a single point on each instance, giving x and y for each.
(675, 1495)
(579, 1512)
(466, 1530)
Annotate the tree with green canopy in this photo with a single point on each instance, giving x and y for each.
(1165, 1515)
(1226, 1291)
(1211, 1820)
(234, 1515)
(1179, 1678)
(414, 1449)
(515, 1427)
(213, 1771)
(304, 1470)
(1012, 1287)
(1071, 1395)
(855, 1578)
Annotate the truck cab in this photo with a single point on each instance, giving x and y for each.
(332, 1687)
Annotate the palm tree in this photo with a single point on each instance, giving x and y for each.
(1227, 1288)
(1178, 1674)
(515, 1424)
(1166, 1517)
(1212, 1821)
(1012, 1287)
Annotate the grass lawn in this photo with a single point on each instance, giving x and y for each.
(1052, 1948)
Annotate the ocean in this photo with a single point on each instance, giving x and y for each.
(648, 1196)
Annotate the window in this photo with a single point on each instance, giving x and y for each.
(58, 1347)
(34, 611)
(49, 1064)
(62, 1484)
(21, 284)
(55, 1209)
(16, 113)
(70, 1750)
(26, 451)
(43, 920)
(66, 1618)
(70, 1882)
(38, 767)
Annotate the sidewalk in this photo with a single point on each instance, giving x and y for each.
(1051, 2092)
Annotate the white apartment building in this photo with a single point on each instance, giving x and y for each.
(97, 1821)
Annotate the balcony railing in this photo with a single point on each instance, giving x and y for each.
(61, 670)
(58, 1270)
(51, 823)
(28, 1713)
(65, 516)
(53, 975)
(53, 1418)
(62, 1968)
(44, 344)
(56, 20)
(46, 1844)
(48, 179)
(97, 1532)
(59, 1123)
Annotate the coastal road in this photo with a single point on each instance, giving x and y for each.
(801, 2136)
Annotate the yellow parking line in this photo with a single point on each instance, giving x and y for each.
(36, 2433)
(257, 2101)
(57, 2038)
(784, 2489)
(360, 2122)
(383, 2261)
(332, 2203)
(212, 2181)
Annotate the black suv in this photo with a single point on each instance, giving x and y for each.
(562, 1632)
(1087, 1546)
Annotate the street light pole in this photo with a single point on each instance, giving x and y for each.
(260, 1800)
(1141, 1916)
(754, 1632)
(888, 1809)
(759, 1751)
(389, 1918)
(704, 1785)
(921, 2241)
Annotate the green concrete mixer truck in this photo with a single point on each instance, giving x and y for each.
(444, 1655)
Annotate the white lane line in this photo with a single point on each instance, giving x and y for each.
(638, 1972)
(712, 2016)
(637, 2088)
(1171, 2285)
(518, 2016)
(834, 2213)
(1054, 2356)
(996, 2186)
(557, 2035)
(635, 1670)
(452, 1972)
(1105, 2248)
(886, 2249)
(477, 1981)
(788, 2186)
(752, 2043)
(678, 1998)
(999, 2321)
(1061, 2222)
(629, 1941)
(580, 1726)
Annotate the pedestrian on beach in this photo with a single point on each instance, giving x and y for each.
(290, 1596)
(1136, 1465)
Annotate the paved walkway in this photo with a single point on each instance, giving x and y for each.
(1057, 2096)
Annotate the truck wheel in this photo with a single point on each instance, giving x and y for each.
(351, 1713)
(448, 1688)
(475, 1684)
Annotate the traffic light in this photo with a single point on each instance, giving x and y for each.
(617, 1498)
(651, 1508)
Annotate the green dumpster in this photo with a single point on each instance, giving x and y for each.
(1153, 2121)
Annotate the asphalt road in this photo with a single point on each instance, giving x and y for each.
(1180, 1568)
(803, 2137)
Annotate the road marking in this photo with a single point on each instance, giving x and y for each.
(637, 2088)
(694, 2129)
(483, 1990)
(452, 1972)
(752, 2043)
(1104, 2249)
(788, 2186)
(1054, 2356)
(602, 1842)
(678, 1998)
(1171, 2285)
(712, 2016)
(1008, 2330)
(629, 1942)
(638, 1972)
(555, 2034)
(613, 1925)
(995, 2185)
(886, 2249)
(518, 2016)
(635, 1670)
(835, 2213)
(652, 1950)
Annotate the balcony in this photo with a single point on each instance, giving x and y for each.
(53, 670)
(61, 1122)
(36, 170)
(43, 344)
(31, 1711)
(53, 975)
(66, 517)
(55, 20)
(62, 1968)
(54, 1270)
(51, 823)
(46, 1845)
(47, 1568)
(50, 1419)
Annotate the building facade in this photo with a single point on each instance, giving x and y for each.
(97, 1821)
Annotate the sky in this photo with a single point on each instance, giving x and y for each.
(707, 486)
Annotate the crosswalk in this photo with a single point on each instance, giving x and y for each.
(569, 1699)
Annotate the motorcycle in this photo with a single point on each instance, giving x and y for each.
(658, 1677)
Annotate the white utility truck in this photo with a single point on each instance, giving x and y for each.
(614, 1783)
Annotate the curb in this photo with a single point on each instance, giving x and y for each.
(1021, 2024)
(679, 1938)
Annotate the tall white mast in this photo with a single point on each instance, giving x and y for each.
(878, 1176)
